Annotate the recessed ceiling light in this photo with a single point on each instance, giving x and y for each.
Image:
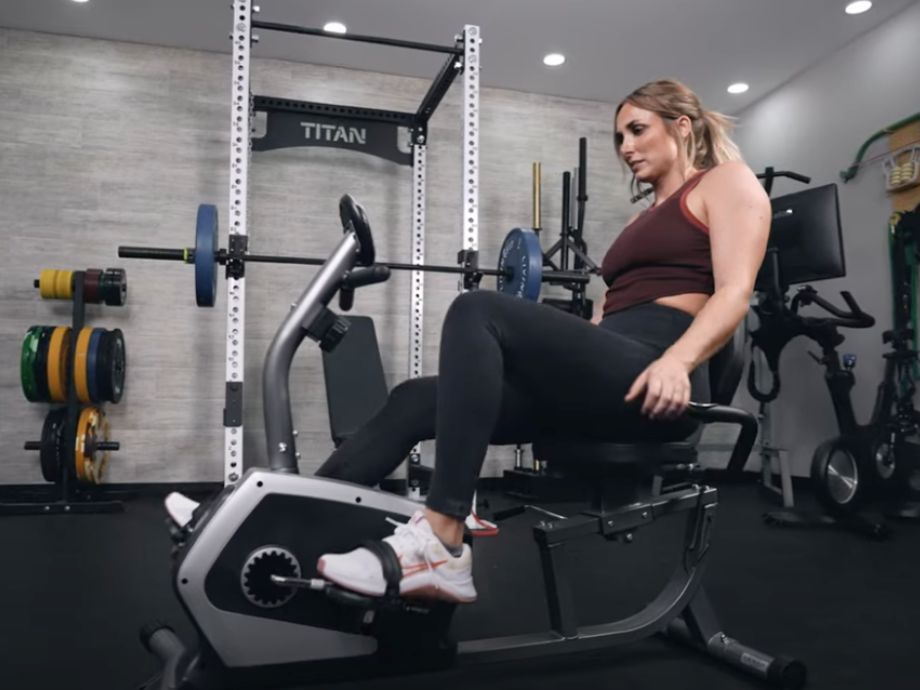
(81, 1)
(740, 87)
(553, 59)
(859, 7)
(335, 28)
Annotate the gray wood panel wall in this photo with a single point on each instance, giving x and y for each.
(105, 144)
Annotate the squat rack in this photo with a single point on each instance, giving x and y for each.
(367, 129)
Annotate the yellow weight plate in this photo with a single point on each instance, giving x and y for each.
(79, 457)
(81, 364)
(46, 283)
(101, 460)
(58, 361)
(64, 282)
(91, 427)
(55, 284)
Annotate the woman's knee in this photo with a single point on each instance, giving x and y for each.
(474, 306)
(414, 396)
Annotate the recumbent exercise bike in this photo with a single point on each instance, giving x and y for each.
(244, 561)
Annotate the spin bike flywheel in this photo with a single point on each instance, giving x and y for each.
(839, 475)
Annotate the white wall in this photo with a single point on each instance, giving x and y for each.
(815, 124)
(105, 143)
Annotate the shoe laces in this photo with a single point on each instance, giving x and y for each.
(411, 534)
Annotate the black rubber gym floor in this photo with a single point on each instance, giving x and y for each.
(75, 589)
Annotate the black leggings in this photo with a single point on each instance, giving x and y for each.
(511, 371)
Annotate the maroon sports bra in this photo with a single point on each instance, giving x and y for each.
(665, 251)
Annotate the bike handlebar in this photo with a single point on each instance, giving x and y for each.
(854, 318)
(770, 174)
(804, 179)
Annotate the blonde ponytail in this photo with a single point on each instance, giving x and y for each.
(717, 146)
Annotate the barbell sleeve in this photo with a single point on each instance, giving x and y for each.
(159, 253)
(566, 277)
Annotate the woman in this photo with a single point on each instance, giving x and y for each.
(680, 278)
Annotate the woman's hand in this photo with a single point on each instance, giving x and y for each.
(666, 383)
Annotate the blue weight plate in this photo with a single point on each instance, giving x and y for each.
(92, 364)
(522, 256)
(205, 255)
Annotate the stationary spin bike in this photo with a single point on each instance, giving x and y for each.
(875, 462)
(244, 561)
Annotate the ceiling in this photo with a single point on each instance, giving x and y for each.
(612, 46)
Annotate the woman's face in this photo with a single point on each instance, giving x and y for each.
(645, 143)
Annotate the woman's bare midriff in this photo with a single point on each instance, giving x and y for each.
(690, 302)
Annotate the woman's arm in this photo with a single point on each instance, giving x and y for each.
(598, 314)
(738, 213)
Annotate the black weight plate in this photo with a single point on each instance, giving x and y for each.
(103, 286)
(40, 366)
(115, 366)
(52, 451)
(115, 287)
(103, 366)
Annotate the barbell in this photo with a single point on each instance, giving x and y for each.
(519, 272)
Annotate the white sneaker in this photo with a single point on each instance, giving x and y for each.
(429, 571)
(480, 527)
(477, 526)
(180, 508)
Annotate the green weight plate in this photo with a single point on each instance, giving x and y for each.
(103, 287)
(27, 363)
